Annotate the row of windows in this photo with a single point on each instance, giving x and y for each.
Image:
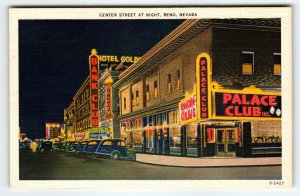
(135, 96)
(83, 124)
(248, 63)
(83, 111)
(84, 96)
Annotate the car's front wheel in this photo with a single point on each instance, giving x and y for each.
(115, 155)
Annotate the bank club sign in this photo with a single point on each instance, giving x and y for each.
(94, 69)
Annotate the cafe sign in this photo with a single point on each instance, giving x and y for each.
(188, 108)
(249, 103)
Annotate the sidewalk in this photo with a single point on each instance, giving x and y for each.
(206, 161)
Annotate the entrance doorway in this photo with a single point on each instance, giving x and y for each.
(225, 142)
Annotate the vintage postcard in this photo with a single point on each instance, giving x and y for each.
(150, 97)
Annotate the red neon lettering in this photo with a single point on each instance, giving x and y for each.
(236, 99)
(272, 101)
(94, 86)
(256, 111)
(94, 69)
(95, 122)
(244, 100)
(203, 62)
(94, 98)
(94, 77)
(94, 60)
(255, 100)
(226, 97)
(95, 114)
(94, 107)
(228, 111)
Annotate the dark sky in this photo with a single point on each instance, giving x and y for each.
(54, 60)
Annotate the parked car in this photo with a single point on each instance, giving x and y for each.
(114, 149)
(46, 146)
(73, 146)
(91, 146)
(24, 145)
(81, 146)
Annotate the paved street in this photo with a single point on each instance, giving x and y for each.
(68, 166)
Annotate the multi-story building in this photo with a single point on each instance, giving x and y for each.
(82, 111)
(53, 131)
(69, 122)
(108, 104)
(93, 113)
(209, 88)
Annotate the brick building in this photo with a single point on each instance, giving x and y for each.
(209, 88)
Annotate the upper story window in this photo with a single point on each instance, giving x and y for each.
(277, 63)
(124, 103)
(132, 99)
(248, 63)
(148, 92)
(136, 97)
(155, 89)
(178, 79)
(169, 83)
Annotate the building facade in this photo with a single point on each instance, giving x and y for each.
(209, 88)
(54, 131)
(93, 112)
(69, 122)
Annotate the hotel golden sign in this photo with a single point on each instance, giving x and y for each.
(116, 59)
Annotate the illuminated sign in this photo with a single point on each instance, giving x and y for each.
(188, 108)
(203, 88)
(211, 135)
(116, 59)
(79, 135)
(203, 71)
(247, 105)
(108, 92)
(94, 69)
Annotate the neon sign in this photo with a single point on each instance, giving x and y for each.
(94, 69)
(188, 109)
(203, 82)
(247, 105)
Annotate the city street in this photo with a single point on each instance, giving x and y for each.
(67, 166)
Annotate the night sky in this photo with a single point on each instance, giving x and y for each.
(54, 60)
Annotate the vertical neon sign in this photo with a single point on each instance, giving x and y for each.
(94, 71)
(203, 77)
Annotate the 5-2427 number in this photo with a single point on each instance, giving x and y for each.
(276, 183)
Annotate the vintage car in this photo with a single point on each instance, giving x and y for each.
(91, 146)
(46, 146)
(81, 146)
(114, 149)
(72, 147)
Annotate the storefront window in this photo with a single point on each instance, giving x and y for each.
(149, 143)
(175, 141)
(191, 143)
(137, 140)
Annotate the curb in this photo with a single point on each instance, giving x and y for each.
(193, 162)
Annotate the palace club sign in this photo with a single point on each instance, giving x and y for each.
(247, 105)
(203, 69)
(94, 69)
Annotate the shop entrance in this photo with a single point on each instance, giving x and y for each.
(225, 142)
